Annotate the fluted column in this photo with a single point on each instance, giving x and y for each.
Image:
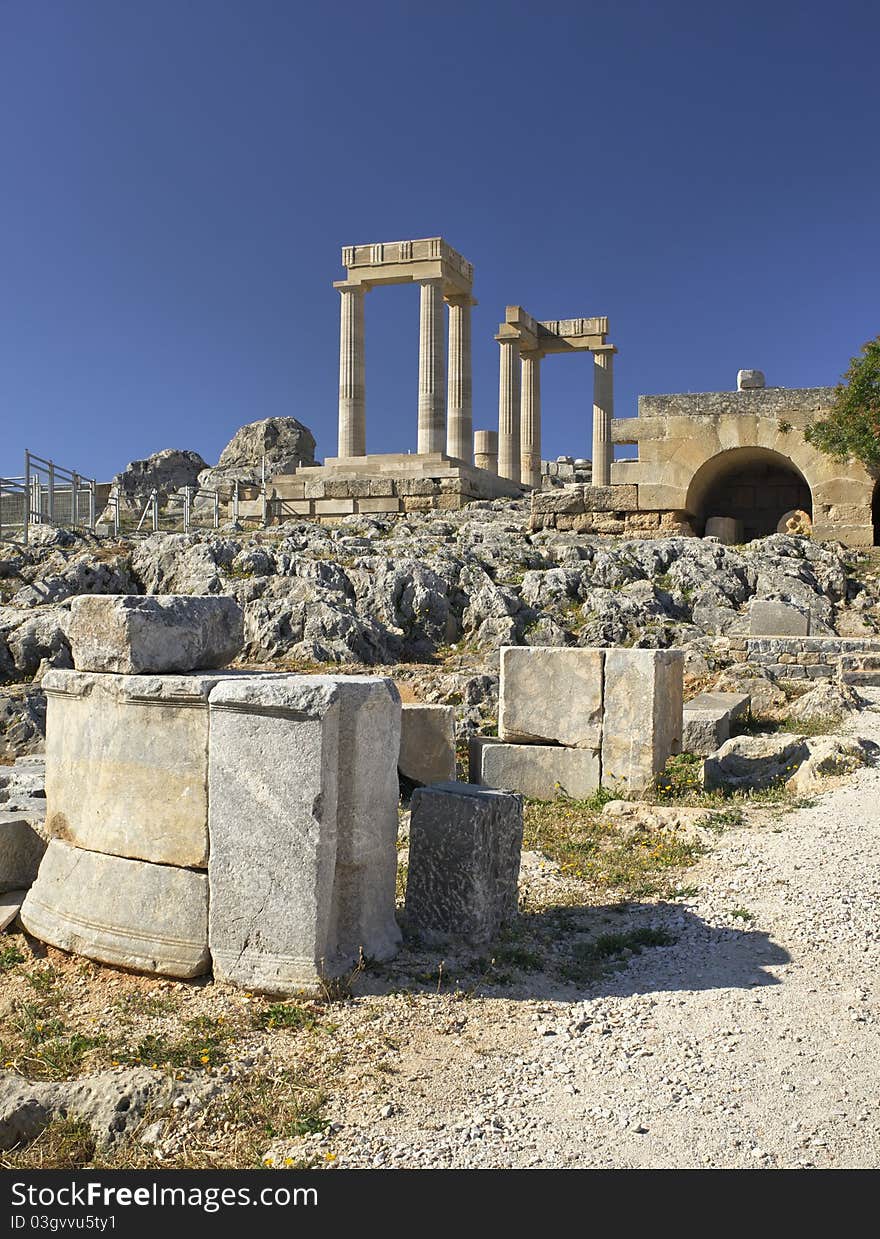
(530, 421)
(603, 411)
(486, 450)
(352, 390)
(459, 421)
(509, 411)
(432, 369)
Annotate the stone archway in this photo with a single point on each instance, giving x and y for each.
(753, 485)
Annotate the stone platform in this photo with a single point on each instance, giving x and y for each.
(386, 483)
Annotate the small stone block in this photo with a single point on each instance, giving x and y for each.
(464, 856)
(427, 743)
(539, 771)
(153, 918)
(770, 618)
(551, 695)
(10, 906)
(132, 634)
(388, 504)
(21, 850)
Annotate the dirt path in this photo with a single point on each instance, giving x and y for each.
(753, 1040)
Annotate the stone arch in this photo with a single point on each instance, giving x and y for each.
(753, 485)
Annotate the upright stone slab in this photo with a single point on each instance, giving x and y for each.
(153, 918)
(768, 617)
(644, 700)
(21, 850)
(464, 855)
(159, 633)
(551, 695)
(540, 771)
(272, 780)
(365, 879)
(127, 764)
(427, 743)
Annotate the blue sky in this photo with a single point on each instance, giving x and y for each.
(178, 177)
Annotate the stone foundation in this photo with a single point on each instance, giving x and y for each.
(604, 510)
(807, 658)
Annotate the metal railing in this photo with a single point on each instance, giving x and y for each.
(46, 494)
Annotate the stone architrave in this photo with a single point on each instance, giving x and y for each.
(427, 743)
(127, 764)
(643, 716)
(153, 918)
(21, 850)
(464, 857)
(551, 695)
(131, 634)
(540, 771)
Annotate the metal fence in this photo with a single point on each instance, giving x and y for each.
(46, 494)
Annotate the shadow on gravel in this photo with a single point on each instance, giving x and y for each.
(565, 953)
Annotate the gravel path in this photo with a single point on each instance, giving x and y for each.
(752, 1041)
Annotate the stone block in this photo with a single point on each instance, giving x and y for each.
(568, 500)
(707, 720)
(303, 858)
(10, 906)
(618, 498)
(427, 743)
(153, 918)
(726, 529)
(333, 507)
(643, 718)
(551, 695)
(388, 504)
(770, 617)
(464, 856)
(418, 503)
(750, 380)
(859, 669)
(21, 850)
(127, 764)
(159, 633)
(540, 771)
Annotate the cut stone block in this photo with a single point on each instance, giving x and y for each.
(771, 618)
(707, 720)
(127, 764)
(159, 633)
(21, 850)
(861, 669)
(551, 695)
(540, 771)
(750, 380)
(644, 706)
(427, 743)
(303, 822)
(10, 906)
(725, 529)
(153, 918)
(464, 856)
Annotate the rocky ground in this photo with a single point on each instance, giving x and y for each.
(690, 982)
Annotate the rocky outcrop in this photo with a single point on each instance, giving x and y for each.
(283, 441)
(166, 472)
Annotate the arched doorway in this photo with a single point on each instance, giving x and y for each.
(752, 485)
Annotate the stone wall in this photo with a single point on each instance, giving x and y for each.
(801, 658)
(603, 510)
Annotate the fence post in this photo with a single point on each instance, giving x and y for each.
(216, 509)
(235, 502)
(116, 516)
(92, 502)
(186, 503)
(50, 498)
(27, 493)
(155, 500)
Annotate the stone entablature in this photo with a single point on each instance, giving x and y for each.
(686, 442)
(394, 261)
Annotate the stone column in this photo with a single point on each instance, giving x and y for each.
(352, 389)
(459, 425)
(486, 450)
(530, 424)
(432, 369)
(509, 411)
(603, 411)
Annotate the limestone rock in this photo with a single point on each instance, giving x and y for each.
(10, 906)
(464, 857)
(427, 743)
(133, 635)
(828, 756)
(750, 380)
(828, 700)
(166, 471)
(551, 696)
(285, 443)
(764, 693)
(771, 618)
(152, 918)
(21, 850)
(755, 762)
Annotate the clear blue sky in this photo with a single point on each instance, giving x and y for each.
(178, 177)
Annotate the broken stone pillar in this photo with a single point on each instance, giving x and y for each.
(486, 450)
(427, 743)
(130, 634)
(540, 771)
(551, 695)
(303, 823)
(352, 381)
(459, 424)
(643, 716)
(603, 413)
(432, 369)
(127, 764)
(464, 856)
(153, 918)
(530, 419)
(726, 529)
(509, 410)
